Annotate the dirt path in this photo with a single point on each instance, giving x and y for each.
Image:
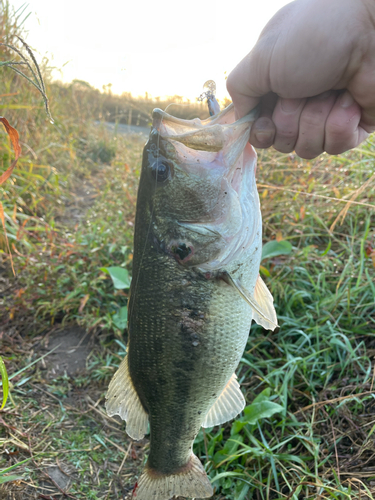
(128, 129)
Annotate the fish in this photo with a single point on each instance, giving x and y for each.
(195, 290)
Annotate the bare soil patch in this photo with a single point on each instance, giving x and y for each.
(71, 348)
(56, 421)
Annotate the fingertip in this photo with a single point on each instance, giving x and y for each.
(262, 133)
(307, 155)
(312, 122)
(342, 128)
(286, 116)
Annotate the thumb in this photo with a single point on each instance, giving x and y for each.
(250, 79)
(248, 82)
(238, 90)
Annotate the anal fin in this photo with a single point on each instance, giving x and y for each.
(228, 405)
(122, 399)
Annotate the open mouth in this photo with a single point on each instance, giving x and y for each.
(220, 134)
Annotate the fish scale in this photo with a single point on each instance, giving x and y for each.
(195, 290)
(165, 351)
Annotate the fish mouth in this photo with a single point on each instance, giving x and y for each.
(205, 139)
(175, 126)
(210, 135)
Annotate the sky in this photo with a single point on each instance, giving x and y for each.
(163, 47)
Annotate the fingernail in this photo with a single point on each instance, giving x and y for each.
(262, 131)
(346, 100)
(324, 95)
(264, 137)
(290, 105)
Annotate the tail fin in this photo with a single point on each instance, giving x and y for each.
(190, 481)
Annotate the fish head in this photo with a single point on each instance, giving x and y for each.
(197, 187)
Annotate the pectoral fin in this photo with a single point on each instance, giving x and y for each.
(264, 298)
(261, 303)
(122, 399)
(228, 405)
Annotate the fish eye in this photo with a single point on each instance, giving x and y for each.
(161, 170)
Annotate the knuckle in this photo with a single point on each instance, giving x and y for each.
(312, 118)
(315, 113)
(339, 138)
(287, 134)
(337, 130)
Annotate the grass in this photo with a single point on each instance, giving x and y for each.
(318, 366)
(308, 429)
(317, 370)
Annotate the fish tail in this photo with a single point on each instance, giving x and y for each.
(189, 481)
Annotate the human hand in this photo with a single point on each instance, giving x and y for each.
(313, 70)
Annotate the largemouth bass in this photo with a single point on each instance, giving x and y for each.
(195, 290)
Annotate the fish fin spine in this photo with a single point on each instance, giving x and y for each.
(227, 406)
(190, 481)
(122, 399)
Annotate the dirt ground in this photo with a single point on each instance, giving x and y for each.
(58, 397)
(71, 348)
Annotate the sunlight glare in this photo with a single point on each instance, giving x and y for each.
(163, 48)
